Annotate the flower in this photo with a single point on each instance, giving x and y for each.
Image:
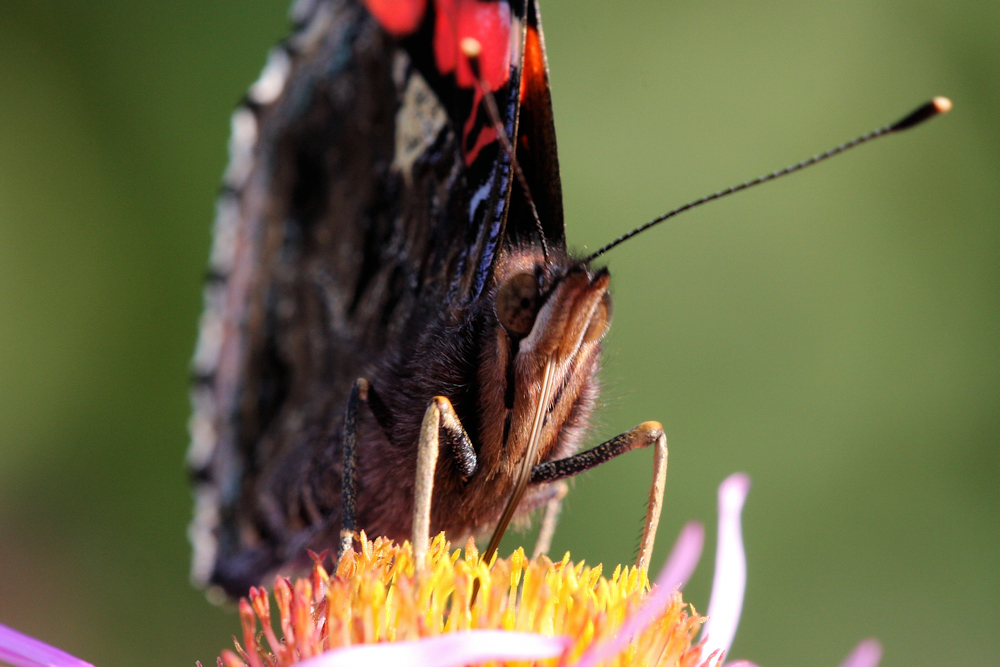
(376, 610)
(385, 610)
(21, 650)
(376, 607)
(730, 579)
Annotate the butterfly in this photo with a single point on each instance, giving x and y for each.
(395, 338)
(389, 247)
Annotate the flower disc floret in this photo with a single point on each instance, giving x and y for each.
(377, 595)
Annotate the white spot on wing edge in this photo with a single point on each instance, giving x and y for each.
(271, 81)
(209, 346)
(242, 140)
(201, 533)
(201, 426)
(227, 217)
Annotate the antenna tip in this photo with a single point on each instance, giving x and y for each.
(924, 112)
(942, 104)
(471, 48)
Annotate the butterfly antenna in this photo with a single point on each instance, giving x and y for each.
(471, 49)
(936, 107)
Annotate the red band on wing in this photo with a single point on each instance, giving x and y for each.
(489, 24)
(398, 17)
(533, 65)
(487, 134)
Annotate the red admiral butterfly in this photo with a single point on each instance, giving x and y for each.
(385, 278)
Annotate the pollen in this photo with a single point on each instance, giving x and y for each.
(376, 595)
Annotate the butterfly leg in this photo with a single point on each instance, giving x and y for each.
(643, 435)
(364, 395)
(349, 481)
(440, 420)
(549, 520)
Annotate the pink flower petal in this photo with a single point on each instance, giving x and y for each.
(681, 563)
(730, 579)
(21, 650)
(866, 654)
(683, 557)
(449, 650)
(741, 663)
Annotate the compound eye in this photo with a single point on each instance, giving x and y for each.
(517, 304)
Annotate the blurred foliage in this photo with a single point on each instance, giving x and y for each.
(834, 334)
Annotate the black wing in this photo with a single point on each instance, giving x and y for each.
(352, 197)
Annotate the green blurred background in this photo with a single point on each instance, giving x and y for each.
(835, 334)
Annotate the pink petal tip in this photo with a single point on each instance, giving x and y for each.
(729, 581)
(866, 654)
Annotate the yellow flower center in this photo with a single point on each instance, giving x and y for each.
(376, 595)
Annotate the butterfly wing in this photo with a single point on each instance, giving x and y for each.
(536, 145)
(364, 184)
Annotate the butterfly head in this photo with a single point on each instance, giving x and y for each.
(540, 356)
